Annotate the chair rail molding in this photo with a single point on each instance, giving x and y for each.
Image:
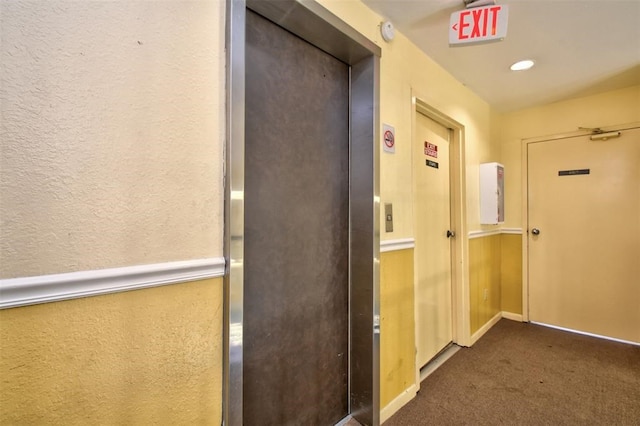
(24, 291)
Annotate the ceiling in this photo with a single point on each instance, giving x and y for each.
(580, 47)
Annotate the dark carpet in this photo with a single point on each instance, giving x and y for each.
(525, 374)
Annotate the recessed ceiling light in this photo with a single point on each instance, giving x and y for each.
(522, 65)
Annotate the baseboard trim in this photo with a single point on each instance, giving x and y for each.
(399, 244)
(584, 333)
(15, 292)
(399, 402)
(511, 316)
(478, 334)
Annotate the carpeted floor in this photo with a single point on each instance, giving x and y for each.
(524, 374)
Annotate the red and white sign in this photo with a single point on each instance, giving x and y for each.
(430, 149)
(478, 24)
(388, 138)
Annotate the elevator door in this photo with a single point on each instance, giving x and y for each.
(584, 234)
(296, 291)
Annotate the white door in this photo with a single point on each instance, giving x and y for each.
(433, 245)
(584, 234)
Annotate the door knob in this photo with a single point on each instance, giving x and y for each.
(535, 231)
(450, 234)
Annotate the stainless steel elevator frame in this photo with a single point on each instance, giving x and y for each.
(315, 24)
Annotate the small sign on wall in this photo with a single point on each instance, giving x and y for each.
(388, 139)
(574, 172)
(430, 149)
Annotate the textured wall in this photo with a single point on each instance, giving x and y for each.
(511, 273)
(484, 274)
(111, 135)
(397, 325)
(150, 356)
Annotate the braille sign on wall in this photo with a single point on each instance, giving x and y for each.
(432, 164)
(388, 138)
(430, 149)
(478, 25)
(574, 172)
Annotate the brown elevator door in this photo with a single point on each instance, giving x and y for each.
(296, 260)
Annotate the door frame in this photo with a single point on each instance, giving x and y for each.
(524, 146)
(315, 24)
(461, 329)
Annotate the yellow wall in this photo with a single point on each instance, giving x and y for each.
(601, 110)
(511, 273)
(495, 264)
(149, 356)
(605, 109)
(112, 157)
(484, 277)
(112, 138)
(397, 336)
(405, 71)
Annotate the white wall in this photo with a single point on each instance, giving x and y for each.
(112, 133)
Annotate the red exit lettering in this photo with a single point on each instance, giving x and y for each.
(480, 21)
(478, 25)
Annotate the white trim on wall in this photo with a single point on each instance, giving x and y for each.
(516, 231)
(487, 233)
(511, 316)
(478, 334)
(480, 234)
(584, 333)
(25, 291)
(399, 244)
(399, 402)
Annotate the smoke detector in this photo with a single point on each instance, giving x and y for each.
(388, 31)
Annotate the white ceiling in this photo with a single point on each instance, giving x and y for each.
(580, 47)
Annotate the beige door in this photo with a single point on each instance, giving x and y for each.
(584, 262)
(433, 246)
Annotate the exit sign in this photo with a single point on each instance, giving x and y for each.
(478, 25)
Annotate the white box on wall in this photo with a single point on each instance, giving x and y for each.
(491, 193)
